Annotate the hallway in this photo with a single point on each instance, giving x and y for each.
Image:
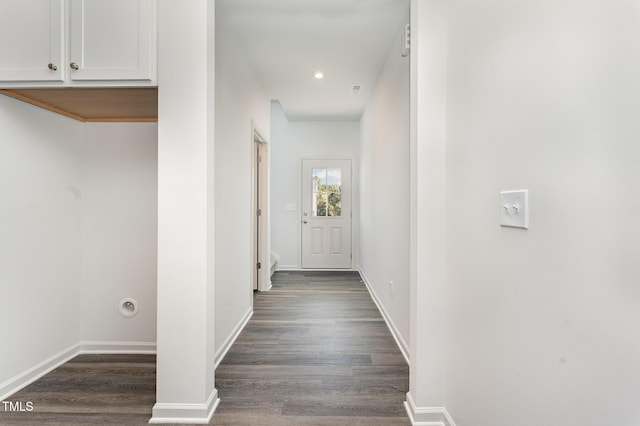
(315, 352)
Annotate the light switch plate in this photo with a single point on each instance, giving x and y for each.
(290, 207)
(514, 208)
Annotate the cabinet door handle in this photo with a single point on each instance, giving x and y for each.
(52, 67)
(74, 66)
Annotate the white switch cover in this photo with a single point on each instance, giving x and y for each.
(514, 208)
(290, 207)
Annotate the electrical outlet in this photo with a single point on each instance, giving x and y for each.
(391, 289)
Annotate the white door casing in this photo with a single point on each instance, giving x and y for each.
(260, 205)
(326, 214)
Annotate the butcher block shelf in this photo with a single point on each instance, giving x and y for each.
(94, 105)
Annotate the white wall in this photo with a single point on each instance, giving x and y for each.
(544, 324)
(291, 142)
(185, 391)
(239, 101)
(427, 264)
(78, 234)
(384, 191)
(39, 236)
(119, 166)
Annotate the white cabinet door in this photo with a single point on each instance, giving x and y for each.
(326, 214)
(31, 40)
(111, 40)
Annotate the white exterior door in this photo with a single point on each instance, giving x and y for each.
(31, 40)
(326, 214)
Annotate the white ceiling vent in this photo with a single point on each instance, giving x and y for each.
(355, 89)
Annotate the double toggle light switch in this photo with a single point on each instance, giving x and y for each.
(514, 211)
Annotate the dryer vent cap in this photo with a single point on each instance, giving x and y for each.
(128, 307)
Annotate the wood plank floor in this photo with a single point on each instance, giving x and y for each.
(316, 352)
(90, 390)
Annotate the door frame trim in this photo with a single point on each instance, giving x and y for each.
(262, 253)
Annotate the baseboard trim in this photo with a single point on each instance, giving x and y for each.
(185, 413)
(115, 347)
(267, 289)
(226, 345)
(427, 416)
(29, 376)
(288, 268)
(402, 345)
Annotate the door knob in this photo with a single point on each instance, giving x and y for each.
(74, 66)
(52, 67)
(305, 221)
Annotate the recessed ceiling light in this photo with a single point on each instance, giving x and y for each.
(318, 75)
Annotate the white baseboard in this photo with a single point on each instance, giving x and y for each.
(291, 268)
(265, 286)
(226, 345)
(404, 348)
(327, 270)
(288, 268)
(186, 413)
(427, 416)
(268, 288)
(24, 379)
(114, 347)
(29, 376)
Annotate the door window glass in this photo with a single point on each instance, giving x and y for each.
(327, 192)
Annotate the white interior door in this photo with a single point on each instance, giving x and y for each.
(326, 214)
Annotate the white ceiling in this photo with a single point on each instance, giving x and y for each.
(287, 40)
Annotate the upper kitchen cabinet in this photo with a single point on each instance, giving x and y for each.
(111, 40)
(78, 43)
(31, 40)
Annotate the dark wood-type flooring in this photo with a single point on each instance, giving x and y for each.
(315, 352)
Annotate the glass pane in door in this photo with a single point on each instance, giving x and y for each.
(326, 192)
